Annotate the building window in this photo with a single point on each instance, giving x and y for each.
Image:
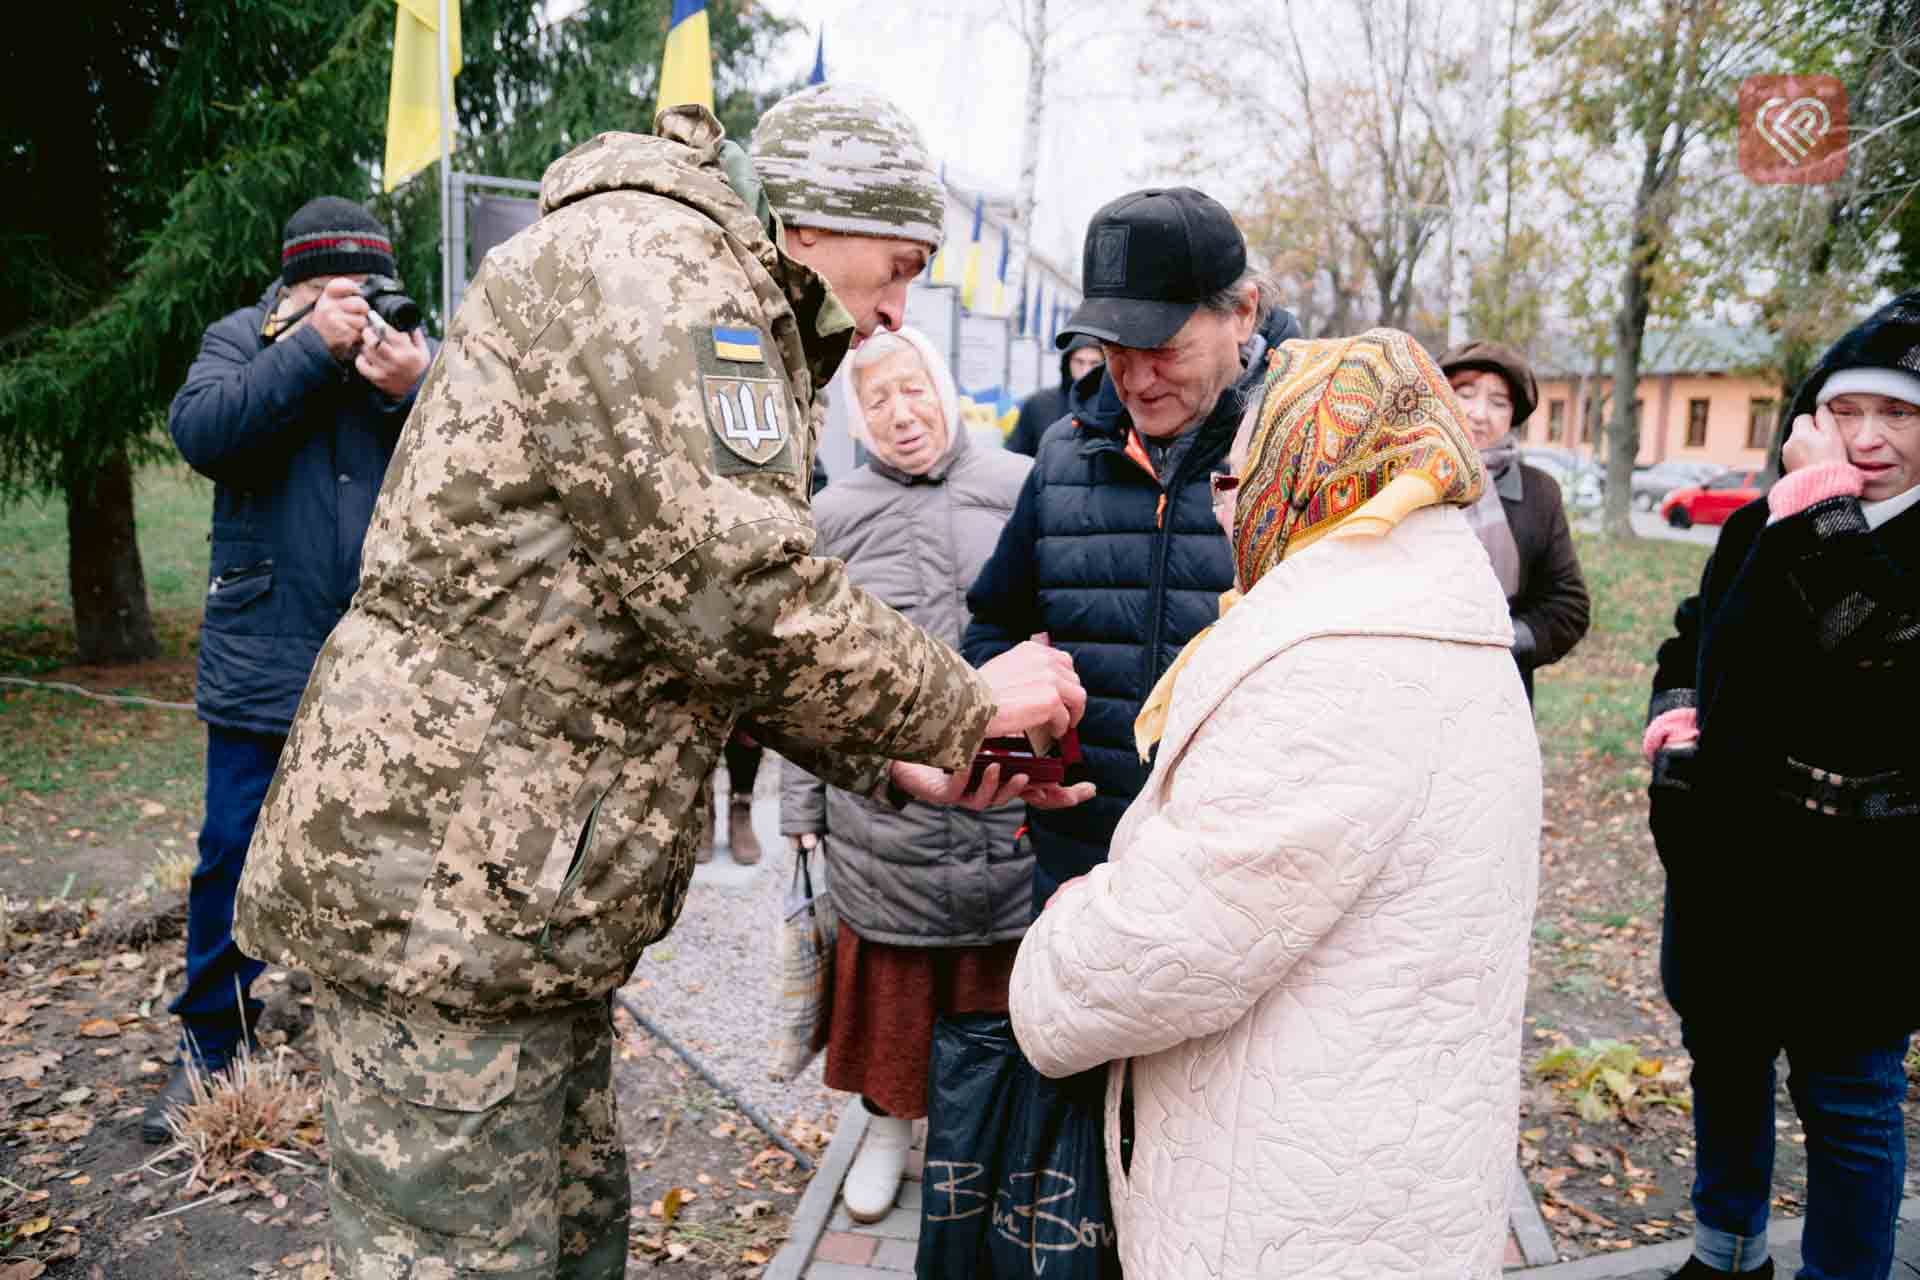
(1586, 424)
(1696, 424)
(1760, 424)
(1556, 419)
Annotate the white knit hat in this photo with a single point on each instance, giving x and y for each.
(1869, 380)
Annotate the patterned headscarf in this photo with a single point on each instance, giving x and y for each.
(1346, 424)
(1353, 435)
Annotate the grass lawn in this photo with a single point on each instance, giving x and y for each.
(120, 782)
(1593, 706)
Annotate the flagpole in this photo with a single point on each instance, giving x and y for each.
(446, 174)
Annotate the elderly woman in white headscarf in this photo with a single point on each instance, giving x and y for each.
(932, 902)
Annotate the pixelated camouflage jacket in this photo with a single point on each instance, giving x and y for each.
(591, 556)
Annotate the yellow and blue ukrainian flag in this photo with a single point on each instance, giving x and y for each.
(970, 275)
(741, 345)
(686, 68)
(940, 270)
(413, 94)
(1002, 305)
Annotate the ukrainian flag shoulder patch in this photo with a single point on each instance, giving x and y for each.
(739, 345)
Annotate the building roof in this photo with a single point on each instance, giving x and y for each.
(1698, 348)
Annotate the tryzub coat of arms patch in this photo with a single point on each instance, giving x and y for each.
(748, 415)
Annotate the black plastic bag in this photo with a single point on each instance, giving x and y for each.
(1016, 1179)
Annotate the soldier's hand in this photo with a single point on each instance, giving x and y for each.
(937, 786)
(1033, 685)
(339, 317)
(390, 360)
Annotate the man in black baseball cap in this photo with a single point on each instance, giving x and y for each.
(1169, 296)
(1151, 259)
(1113, 550)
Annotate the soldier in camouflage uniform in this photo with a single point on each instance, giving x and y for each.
(590, 560)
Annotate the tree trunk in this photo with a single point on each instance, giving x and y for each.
(1030, 135)
(1623, 433)
(111, 621)
(1629, 329)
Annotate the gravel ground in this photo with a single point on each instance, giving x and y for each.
(709, 983)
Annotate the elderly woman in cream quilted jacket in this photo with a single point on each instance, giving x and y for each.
(1306, 958)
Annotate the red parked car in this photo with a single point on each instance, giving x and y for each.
(1714, 501)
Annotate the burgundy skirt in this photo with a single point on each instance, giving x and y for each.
(885, 998)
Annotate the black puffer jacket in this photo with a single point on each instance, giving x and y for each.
(1120, 570)
(297, 447)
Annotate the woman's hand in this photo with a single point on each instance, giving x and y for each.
(1054, 796)
(804, 843)
(1815, 441)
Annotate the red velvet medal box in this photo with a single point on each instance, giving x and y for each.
(1042, 767)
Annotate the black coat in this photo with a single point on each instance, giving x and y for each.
(1552, 600)
(1092, 558)
(1791, 834)
(297, 447)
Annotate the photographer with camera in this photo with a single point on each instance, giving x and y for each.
(292, 409)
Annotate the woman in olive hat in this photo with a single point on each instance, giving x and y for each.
(1520, 519)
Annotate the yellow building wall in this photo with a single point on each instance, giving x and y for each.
(1663, 417)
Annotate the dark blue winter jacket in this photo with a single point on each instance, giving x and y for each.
(1092, 558)
(296, 446)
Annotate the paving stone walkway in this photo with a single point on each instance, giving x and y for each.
(828, 1245)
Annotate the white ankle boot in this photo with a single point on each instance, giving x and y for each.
(874, 1179)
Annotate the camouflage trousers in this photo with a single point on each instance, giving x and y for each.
(470, 1148)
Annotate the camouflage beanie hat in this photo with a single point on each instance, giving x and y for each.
(844, 158)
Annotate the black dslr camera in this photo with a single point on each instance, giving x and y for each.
(391, 304)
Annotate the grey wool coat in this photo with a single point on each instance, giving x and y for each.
(920, 876)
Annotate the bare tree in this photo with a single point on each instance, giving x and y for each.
(1657, 74)
(1380, 140)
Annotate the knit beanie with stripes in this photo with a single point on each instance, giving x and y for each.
(334, 237)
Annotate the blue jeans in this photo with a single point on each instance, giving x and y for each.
(215, 1010)
(1848, 1098)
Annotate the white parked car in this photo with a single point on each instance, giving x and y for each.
(1651, 484)
(1583, 484)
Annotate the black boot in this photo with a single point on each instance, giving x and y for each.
(178, 1092)
(1698, 1270)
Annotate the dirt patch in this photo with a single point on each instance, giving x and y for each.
(732, 1191)
(84, 1043)
(1606, 1126)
